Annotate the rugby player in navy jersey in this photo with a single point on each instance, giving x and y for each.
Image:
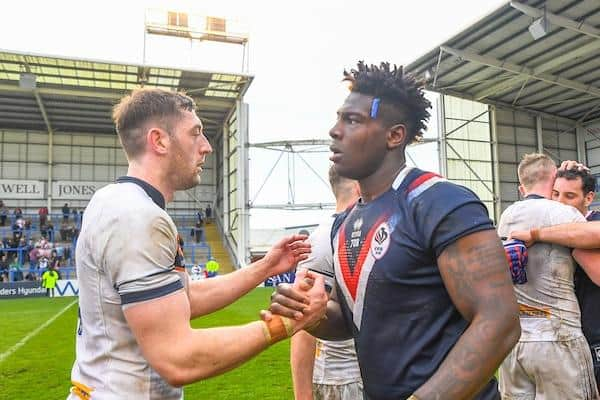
(422, 281)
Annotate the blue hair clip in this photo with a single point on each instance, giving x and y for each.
(375, 107)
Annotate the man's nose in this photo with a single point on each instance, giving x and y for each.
(334, 132)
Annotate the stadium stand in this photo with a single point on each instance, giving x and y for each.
(28, 249)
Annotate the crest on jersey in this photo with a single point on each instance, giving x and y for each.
(381, 241)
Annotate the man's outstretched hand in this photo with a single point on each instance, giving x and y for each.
(285, 254)
(305, 302)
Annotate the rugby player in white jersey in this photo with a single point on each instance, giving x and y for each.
(134, 339)
(326, 369)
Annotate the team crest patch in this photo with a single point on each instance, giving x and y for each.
(381, 240)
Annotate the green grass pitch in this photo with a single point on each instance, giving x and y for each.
(41, 368)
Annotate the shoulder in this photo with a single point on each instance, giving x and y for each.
(322, 231)
(593, 216)
(562, 213)
(434, 191)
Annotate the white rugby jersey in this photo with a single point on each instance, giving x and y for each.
(125, 254)
(548, 307)
(335, 361)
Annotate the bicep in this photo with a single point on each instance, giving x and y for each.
(475, 272)
(155, 323)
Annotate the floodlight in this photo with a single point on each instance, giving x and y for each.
(539, 28)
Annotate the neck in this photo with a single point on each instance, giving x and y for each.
(543, 189)
(152, 175)
(342, 204)
(381, 180)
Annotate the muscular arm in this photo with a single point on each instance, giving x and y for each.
(302, 360)
(476, 275)
(182, 355)
(575, 235)
(209, 295)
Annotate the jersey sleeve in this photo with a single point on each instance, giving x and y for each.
(141, 266)
(320, 259)
(447, 212)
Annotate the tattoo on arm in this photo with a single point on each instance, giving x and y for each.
(475, 272)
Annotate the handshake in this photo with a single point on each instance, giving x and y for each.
(294, 307)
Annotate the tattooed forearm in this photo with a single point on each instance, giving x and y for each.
(476, 276)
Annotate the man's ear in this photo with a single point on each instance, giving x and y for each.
(396, 136)
(589, 197)
(158, 140)
(522, 191)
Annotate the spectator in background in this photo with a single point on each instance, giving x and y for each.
(43, 263)
(66, 211)
(31, 276)
(3, 213)
(4, 268)
(208, 213)
(67, 231)
(49, 279)
(43, 214)
(74, 214)
(18, 213)
(54, 260)
(15, 271)
(212, 267)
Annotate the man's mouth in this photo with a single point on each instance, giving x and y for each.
(336, 153)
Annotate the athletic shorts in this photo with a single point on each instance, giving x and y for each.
(549, 371)
(349, 391)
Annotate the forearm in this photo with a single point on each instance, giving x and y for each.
(302, 360)
(333, 327)
(203, 353)
(576, 235)
(473, 360)
(209, 295)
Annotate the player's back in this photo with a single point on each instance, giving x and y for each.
(548, 307)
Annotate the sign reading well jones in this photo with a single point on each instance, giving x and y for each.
(75, 189)
(19, 189)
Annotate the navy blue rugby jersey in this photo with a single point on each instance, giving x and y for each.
(391, 291)
(588, 296)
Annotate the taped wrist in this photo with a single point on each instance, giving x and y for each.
(278, 328)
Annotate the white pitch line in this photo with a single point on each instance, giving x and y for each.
(21, 342)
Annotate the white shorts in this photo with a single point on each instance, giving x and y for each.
(549, 371)
(349, 391)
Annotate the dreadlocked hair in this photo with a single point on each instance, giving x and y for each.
(402, 91)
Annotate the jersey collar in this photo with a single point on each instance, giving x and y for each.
(400, 177)
(150, 190)
(533, 196)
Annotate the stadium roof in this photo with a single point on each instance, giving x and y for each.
(498, 61)
(39, 92)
